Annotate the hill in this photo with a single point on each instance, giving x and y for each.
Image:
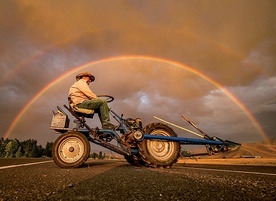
(248, 150)
(259, 153)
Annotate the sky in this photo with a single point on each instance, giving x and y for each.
(212, 61)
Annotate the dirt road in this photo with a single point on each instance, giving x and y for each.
(117, 180)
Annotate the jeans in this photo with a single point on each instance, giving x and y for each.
(100, 106)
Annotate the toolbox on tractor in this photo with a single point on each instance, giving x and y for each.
(60, 121)
(153, 145)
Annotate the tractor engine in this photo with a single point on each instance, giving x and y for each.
(134, 124)
(136, 131)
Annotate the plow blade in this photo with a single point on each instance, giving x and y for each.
(229, 145)
(232, 145)
(212, 144)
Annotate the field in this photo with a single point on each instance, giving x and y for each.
(247, 154)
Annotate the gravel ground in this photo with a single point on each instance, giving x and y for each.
(132, 183)
(117, 180)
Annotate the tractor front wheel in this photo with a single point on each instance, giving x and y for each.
(71, 150)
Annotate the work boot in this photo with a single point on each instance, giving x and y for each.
(109, 126)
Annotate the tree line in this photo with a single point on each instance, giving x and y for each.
(13, 148)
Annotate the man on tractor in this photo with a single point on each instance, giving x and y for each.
(82, 96)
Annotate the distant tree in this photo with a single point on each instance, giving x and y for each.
(37, 151)
(100, 155)
(48, 149)
(29, 147)
(11, 148)
(3, 144)
(19, 153)
(94, 155)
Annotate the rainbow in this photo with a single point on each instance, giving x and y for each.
(35, 56)
(137, 57)
(24, 63)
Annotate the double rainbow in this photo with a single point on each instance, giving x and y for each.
(136, 57)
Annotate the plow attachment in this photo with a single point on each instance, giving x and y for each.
(212, 144)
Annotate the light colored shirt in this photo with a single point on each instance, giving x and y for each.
(80, 91)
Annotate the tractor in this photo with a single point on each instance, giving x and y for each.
(154, 145)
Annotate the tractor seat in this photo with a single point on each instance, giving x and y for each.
(82, 112)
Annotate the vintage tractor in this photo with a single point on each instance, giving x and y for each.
(154, 145)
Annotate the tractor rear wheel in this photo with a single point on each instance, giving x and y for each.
(71, 150)
(159, 153)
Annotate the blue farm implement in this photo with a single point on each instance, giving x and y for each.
(154, 145)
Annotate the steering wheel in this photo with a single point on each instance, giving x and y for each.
(108, 98)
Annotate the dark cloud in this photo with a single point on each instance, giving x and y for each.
(232, 42)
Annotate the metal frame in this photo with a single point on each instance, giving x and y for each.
(91, 134)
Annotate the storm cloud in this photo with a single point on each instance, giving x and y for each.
(231, 42)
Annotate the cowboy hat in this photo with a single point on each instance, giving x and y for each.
(85, 74)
